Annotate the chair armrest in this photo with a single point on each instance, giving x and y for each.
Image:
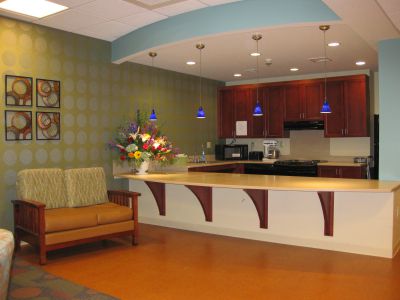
(122, 197)
(29, 216)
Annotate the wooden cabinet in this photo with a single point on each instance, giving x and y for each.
(303, 101)
(296, 101)
(273, 98)
(226, 113)
(348, 100)
(357, 172)
(226, 168)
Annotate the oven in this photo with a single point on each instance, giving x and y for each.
(307, 168)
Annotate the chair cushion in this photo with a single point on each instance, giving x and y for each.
(62, 219)
(85, 186)
(43, 185)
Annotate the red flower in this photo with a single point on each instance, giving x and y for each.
(163, 149)
(122, 157)
(145, 146)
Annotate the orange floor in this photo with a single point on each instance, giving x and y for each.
(175, 264)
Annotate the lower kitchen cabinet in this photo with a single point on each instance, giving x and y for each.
(356, 172)
(226, 168)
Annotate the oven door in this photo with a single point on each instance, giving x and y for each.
(306, 171)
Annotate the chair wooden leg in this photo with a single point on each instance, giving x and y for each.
(134, 241)
(42, 256)
(17, 240)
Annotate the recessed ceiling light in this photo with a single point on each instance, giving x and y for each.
(334, 44)
(190, 63)
(255, 54)
(33, 8)
(294, 69)
(360, 63)
(237, 75)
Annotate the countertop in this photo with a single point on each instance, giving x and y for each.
(278, 183)
(226, 162)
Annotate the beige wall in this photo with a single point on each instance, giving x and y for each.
(311, 144)
(95, 96)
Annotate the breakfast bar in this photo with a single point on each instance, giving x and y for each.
(350, 215)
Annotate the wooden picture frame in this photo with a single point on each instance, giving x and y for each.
(18, 125)
(48, 125)
(18, 90)
(48, 93)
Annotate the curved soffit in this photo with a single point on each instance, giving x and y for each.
(237, 16)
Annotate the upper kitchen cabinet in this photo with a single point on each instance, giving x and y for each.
(234, 104)
(303, 101)
(348, 99)
(226, 122)
(274, 102)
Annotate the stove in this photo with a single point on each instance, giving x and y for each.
(295, 167)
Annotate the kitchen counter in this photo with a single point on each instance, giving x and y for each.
(261, 182)
(350, 215)
(225, 162)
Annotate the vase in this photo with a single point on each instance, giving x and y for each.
(143, 168)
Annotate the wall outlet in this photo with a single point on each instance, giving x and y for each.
(208, 145)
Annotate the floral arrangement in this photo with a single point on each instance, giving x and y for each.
(142, 140)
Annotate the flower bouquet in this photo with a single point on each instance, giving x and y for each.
(140, 142)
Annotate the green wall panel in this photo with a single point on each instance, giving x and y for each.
(95, 97)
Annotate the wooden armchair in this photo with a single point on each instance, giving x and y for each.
(55, 228)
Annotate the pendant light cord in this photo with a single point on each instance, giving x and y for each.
(258, 72)
(200, 77)
(325, 59)
(152, 79)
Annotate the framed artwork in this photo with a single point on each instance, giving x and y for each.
(47, 125)
(47, 93)
(18, 90)
(18, 125)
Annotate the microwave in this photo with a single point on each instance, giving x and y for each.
(231, 152)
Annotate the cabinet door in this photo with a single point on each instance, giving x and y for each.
(335, 121)
(274, 101)
(257, 124)
(355, 93)
(313, 99)
(328, 171)
(242, 109)
(226, 113)
(293, 103)
(352, 172)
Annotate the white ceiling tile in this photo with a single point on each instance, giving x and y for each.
(389, 6)
(217, 2)
(100, 35)
(142, 19)
(71, 3)
(111, 10)
(180, 7)
(69, 20)
(110, 29)
(22, 17)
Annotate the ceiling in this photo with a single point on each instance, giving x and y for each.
(363, 24)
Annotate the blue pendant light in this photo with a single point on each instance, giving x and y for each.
(326, 109)
(153, 116)
(200, 112)
(257, 112)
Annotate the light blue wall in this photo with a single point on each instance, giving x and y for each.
(389, 108)
(235, 16)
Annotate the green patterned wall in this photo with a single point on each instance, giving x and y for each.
(95, 96)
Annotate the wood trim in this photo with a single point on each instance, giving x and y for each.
(359, 77)
(204, 195)
(260, 200)
(158, 191)
(327, 204)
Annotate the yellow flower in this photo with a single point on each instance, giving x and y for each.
(131, 155)
(145, 137)
(137, 154)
